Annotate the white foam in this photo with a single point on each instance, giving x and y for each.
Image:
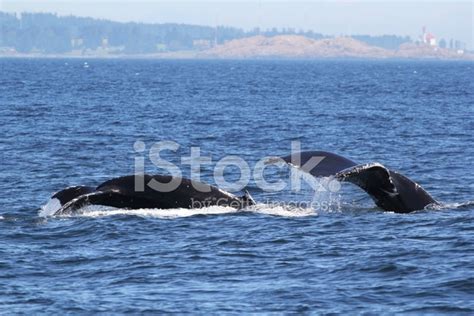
(100, 211)
(50, 208)
(159, 213)
(443, 206)
(283, 211)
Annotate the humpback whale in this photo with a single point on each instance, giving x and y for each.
(121, 193)
(389, 189)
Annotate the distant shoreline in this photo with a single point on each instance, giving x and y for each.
(132, 57)
(279, 47)
(46, 35)
(194, 56)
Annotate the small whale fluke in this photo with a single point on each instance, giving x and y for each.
(390, 190)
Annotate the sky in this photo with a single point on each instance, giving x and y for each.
(445, 19)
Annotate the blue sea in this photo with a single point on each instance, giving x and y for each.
(70, 122)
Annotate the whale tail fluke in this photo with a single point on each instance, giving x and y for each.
(372, 177)
(376, 180)
(390, 190)
(318, 163)
(70, 193)
(108, 198)
(59, 199)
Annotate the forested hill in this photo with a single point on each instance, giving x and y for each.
(52, 34)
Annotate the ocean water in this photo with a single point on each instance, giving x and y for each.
(70, 121)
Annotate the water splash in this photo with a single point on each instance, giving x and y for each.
(50, 208)
(325, 191)
(445, 206)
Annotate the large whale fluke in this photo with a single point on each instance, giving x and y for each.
(121, 193)
(390, 190)
(71, 193)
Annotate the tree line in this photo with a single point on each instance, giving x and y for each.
(50, 33)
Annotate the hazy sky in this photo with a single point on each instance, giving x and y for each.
(445, 19)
